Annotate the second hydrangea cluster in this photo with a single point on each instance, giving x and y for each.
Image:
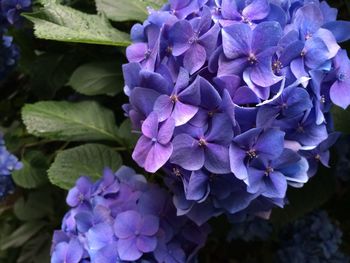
(233, 98)
(10, 11)
(311, 239)
(8, 164)
(122, 218)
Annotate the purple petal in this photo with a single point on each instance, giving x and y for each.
(276, 186)
(128, 250)
(308, 19)
(141, 150)
(266, 35)
(229, 10)
(59, 253)
(209, 39)
(340, 93)
(217, 158)
(221, 130)
(237, 156)
(316, 52)
(126, 223)
(257, 10)
(340, 29)
(187, 153)
(143, 99)
(179, 35)
(236, 40)
(137, 52)
(183, 113)
(99, 236)
(268, 140)
(166, 131)
(158, 155)
(146, 244)
(198, 187)
(74, 252)
(195, 58)
(191, 94)
(150, 225)
(262, 74)
(150, 126)
(298, 68)
(163, 106)
(232, 67)
(210, 98)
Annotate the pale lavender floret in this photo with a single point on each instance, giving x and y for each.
(154, 148)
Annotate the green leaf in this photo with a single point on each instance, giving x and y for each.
(314, 194)
(341, 119)
(97, 78)
(33, 173)
(125, 10)
(63, 23)
(22, 234)
(36, 250)
(34, 206)
(50, 72)
(83, 121)
(88, 160)
(129, 139)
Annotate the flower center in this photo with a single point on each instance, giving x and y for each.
(318, 157)
(217, 10)
(277, 66)
(246, 20)
(302, 54)
(252, 154)
(81, 197)
(174, 98)
(18, 6)
(300, 129)
(252, 59)
(341, 76)
(202, 142)
(154, 139)
(308, 36)
(148, 53)
(323, 99)
(176, 171)
(268, 171)
(193, 39)
(169, 50)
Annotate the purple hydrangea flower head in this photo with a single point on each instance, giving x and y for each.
(122, 218)
(8, 164)
(232, 99)
(313, 238)
(9, 54)
(12, 9)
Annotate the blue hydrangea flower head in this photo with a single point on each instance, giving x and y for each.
(122, 218)
(313, 238)
(235, 93)
(8, 164)
(12, 9)
(9, 54)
